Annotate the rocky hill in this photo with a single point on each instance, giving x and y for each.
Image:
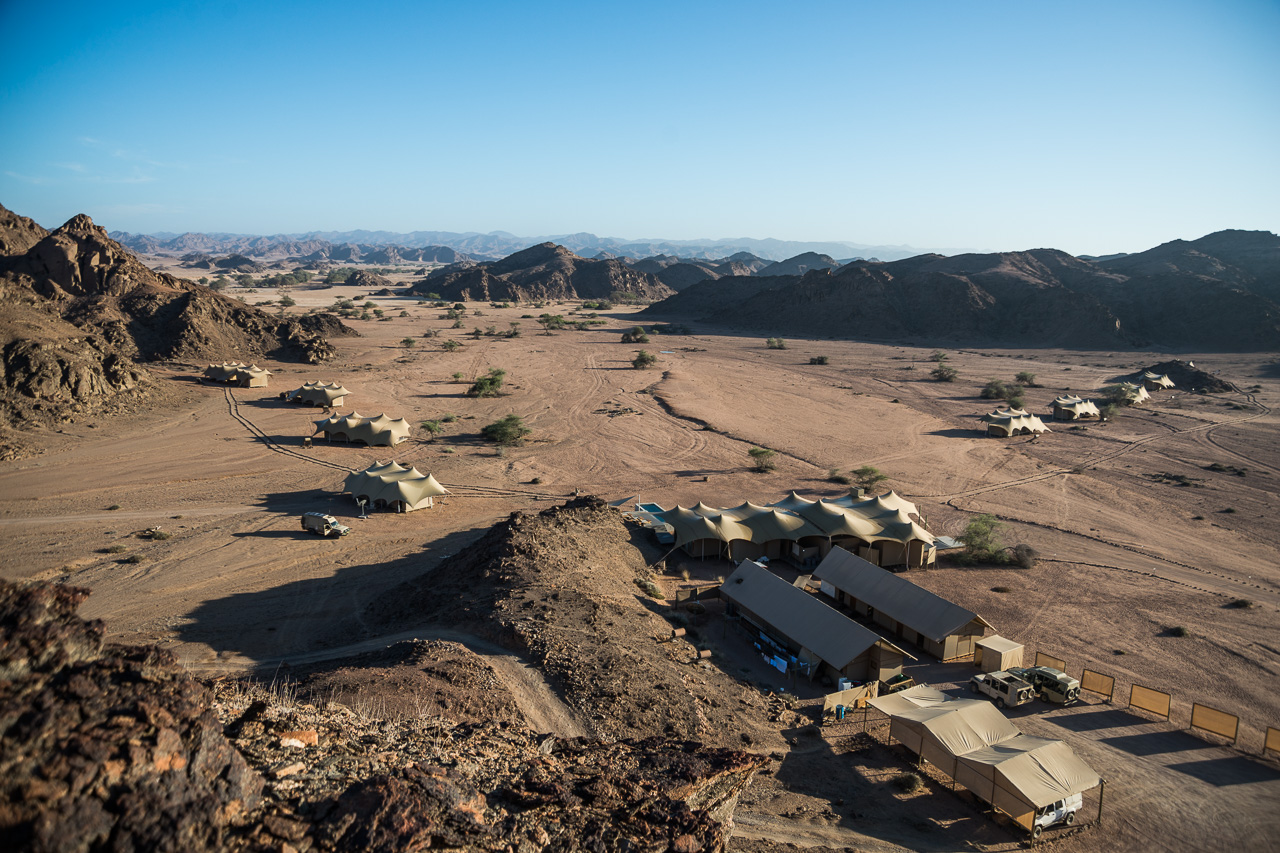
(545, 271)
(113, 747)
(800, 264)
(1218, 293)
(83, 314)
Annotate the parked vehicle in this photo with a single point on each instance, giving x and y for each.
(901, 681)
(1052, 685)
(1063, 811)
(1006, 688)
(324, 525)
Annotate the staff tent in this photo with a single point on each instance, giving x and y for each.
(393, 486)
(236, 373)
(380, 430)
(1074, 408)
(945, 630)
(1009, 422)
(318, 394)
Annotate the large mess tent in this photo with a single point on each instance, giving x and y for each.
(1010, 422)
(318, 394)
(794, 625)
(380, 430)
(394, 487)
(1074, 408)
(236, 373)
(977, 746)
(880, 529)
(943, 629)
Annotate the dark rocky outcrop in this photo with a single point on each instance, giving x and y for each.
(545, 271)
(18, 233)
(239, 264)
(800, 264)
(364, 278)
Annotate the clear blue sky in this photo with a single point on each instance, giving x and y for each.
(1089, 127)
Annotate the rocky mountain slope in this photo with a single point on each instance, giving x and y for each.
(1218, 293)
(800, 264)
(546, 271)
(82, 315)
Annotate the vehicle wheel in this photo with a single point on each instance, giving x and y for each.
(1035, 833)
(973, 688)
(1070, 818)
(999, 703)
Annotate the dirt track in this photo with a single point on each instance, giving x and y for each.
(1126, 555)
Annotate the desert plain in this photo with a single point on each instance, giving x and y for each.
(1156, 532)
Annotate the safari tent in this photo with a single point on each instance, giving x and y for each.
(380, 430)
(943, 629)
(1009, 422)
(318, 394)
(995, 653)
(1135, 394)
(236, 373)
(1155, 381)
(1074, 408)
(394, 487)
(793, 624)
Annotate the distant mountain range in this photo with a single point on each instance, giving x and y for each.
(499, 244)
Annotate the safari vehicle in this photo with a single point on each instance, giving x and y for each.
(1063, 811)
(324, 525)
(901, 681)
(1006, 688)
(1052, 685)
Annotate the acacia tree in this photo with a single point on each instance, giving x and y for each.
(489, 385)
(868, 476)
(763, 458)
(644, 359)
(507, 432)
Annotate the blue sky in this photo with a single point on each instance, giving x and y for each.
(1089, 127)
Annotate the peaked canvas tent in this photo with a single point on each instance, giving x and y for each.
(393, 486)
(1074, 408)
(796, 623)
(1155, 381)
(1010, 422)
(236, 373)
(318, 394)
(1134, 393)
(943, 629)
(380, 430)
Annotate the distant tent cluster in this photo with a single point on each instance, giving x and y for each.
(235, 373)
(1074, 409)
(878, 529)
(1008, 422)
(317, 394)
(394, 487)
(977, 746)
(380, 430)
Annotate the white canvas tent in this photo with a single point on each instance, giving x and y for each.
(1155, 381)
(1010, 422)
(995, 653)
(318, 394)
(1073, 408)
(237, 373)
(379, 430)
(1134, 393)
(393, 486)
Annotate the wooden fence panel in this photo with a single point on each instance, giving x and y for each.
(1152, 701)
(1043, 659)
(1096, 682)
(1212, 720)
(1272, 742)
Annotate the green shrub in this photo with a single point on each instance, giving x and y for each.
(408, 343)
(113, 507)
(775, 343)
(1027, 379)
(450, 345)
(944, 373)
(650, 588)
(908, 783)
(508, 432)
(635, 335)
(868, 476)
(644, 360)
(763, 459)
(819, 359)
(114, 549)
(489, 385)
(1179, 631)
(432, 428)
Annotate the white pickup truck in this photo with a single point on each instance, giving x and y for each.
(1006, 688)
(1063, 811)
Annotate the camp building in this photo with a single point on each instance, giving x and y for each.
(879, 529)
(1074, 408)
(943, 629)
(379, 430)
(791, 623)
(394, 487)
(236, 373)
(317, 394)
(1009, 422)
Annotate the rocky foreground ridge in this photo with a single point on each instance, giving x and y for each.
(82, 315)
(113, 747)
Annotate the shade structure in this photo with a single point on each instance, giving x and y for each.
(920, 696)
(941, 733)
(1008, 422)
(380, 430)
(1073, 408)
(238, 373)
(318, 394)
(393, 486)
(1022, 774)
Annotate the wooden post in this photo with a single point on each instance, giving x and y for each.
(1102, 792)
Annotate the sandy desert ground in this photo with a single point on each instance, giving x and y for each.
(1127, 554)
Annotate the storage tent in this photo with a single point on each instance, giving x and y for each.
(318, 394)
(1009, 422)
(995, 653)
(393, 486)
(380, 430)
(943, 629)
(806, 628)
(1074, 408)
(236, 373)
(1155, 381)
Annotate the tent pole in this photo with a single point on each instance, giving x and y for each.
(1102, 792)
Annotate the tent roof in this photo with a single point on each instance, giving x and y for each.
(962, 725)
(920, 696)
(687, 526)
(393, 482)
(803, 619)
(1040, 771)
(894, 595)
(999, 644)
(792, 502)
